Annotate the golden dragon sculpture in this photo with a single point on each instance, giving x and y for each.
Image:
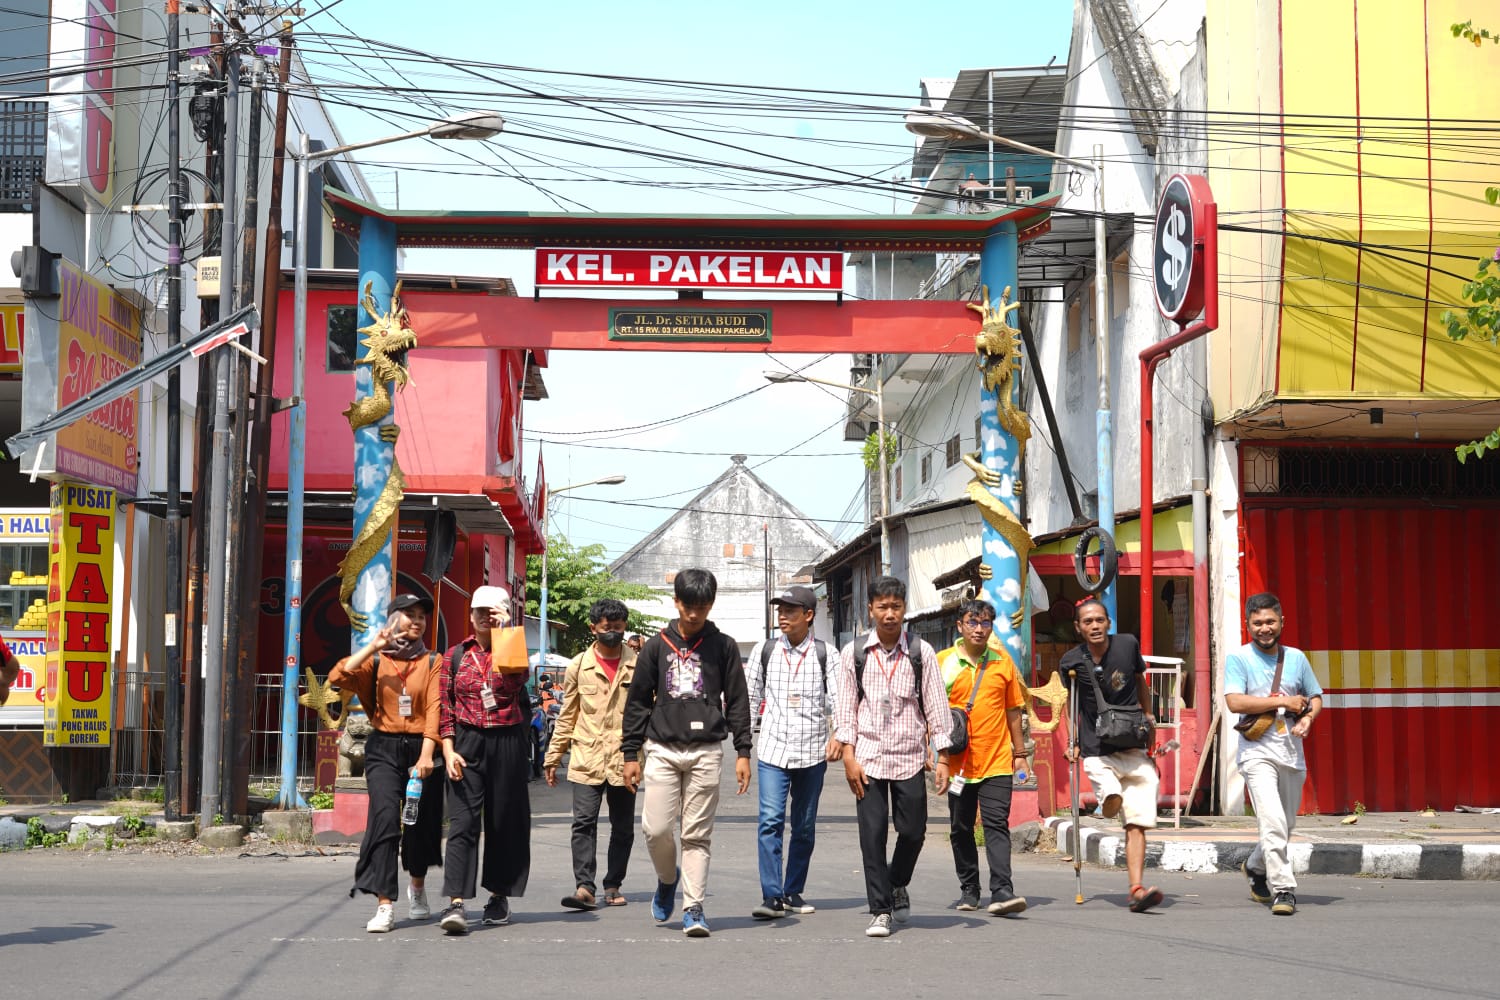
(387, 340)
(998, 345)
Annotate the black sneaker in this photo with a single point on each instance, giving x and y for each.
(1259, 890)
(969, 900)
(1004, 904)
(454, 921)
(769, 909)
(497, 912)
(1285, 904)
(794, 903)
(900, 905)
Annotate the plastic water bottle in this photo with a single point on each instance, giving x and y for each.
(413, 799)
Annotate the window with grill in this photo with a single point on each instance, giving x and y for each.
(952, 451)
(23, 152)
(926, 468)
(898, 483)
(343, 338)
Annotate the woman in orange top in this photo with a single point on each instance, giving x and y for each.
(397, 680)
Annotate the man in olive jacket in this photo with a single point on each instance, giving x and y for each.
(595, 687)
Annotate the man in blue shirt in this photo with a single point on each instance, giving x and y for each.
(1273, 766)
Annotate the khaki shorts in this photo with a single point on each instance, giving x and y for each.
(1131, 774)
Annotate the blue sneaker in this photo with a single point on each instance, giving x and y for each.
(665, 899)
(693, 923)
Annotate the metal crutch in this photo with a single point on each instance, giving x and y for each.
(1073, 784)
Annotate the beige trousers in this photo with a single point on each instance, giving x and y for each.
(1276, 794)
(681, 785)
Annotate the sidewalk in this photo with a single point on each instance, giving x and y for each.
(1447, 845)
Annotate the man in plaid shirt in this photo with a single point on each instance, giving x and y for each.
(792, 676)
(884, 717)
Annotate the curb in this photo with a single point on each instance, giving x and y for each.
(1439, 862)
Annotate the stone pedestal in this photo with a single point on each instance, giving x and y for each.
(284, 825)
(176, 831)
(222, 836)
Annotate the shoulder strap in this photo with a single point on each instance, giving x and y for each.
(766, 649)
(821, 648)
(974, 691)
(1099, 701)
(859, 673)
(914, 658)
(1280, 663)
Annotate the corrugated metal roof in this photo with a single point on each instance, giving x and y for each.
(1027, 105)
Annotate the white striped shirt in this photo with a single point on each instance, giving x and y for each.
(799, 697)
(894, 749)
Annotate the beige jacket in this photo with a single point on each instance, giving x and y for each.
(593, 712)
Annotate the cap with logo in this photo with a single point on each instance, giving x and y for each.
(403, 601)
(802, 597)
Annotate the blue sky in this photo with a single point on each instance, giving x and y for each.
(878, 49)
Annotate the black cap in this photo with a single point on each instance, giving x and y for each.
(802, 597)
(403, 601)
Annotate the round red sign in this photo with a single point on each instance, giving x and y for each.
(1177, 259)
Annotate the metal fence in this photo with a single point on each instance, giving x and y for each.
(265, 736)
(1165, 676)
(136, 740)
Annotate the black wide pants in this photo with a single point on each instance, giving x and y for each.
(492, 794)
(389, 758)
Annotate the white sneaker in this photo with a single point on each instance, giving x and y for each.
(880, 926)
(383, 921)
(416, 904)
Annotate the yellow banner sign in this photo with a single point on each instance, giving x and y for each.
(80, 582)
(99, 338)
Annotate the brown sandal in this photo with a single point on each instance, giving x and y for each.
(580, 900)
(1143, 898)
(614, 897)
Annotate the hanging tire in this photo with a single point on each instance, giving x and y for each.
(1109, 560)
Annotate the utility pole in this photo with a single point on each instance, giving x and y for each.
(172, 737)
(213, 793)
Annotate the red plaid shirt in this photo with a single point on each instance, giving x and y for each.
(461, 701)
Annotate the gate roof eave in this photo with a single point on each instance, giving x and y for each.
(847, 233)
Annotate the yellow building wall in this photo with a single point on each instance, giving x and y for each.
(1367, 109)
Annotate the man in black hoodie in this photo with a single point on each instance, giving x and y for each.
(689, 692)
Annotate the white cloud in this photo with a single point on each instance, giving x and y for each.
(1010, 590)
(1014, 642)
(997, 547)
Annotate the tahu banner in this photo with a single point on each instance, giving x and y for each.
(80, 584)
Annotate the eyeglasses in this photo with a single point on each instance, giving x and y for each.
(976, 622)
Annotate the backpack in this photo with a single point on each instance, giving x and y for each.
(819, 646)
(916, 672)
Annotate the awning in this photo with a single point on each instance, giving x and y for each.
(935, 543)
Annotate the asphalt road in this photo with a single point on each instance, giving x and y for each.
(91, 924)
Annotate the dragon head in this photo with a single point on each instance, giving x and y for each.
(387, 339)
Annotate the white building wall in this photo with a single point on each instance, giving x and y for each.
(1132, 179)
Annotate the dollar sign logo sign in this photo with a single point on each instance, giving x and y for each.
(1175, 266)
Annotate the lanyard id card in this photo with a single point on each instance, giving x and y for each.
(487, 697)
(403, 705)
(885, 711)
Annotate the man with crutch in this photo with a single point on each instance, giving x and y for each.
(1105, 672)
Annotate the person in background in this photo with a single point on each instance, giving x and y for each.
(484, 723)
(634, 641)
(1274, 767)
(397, 680)
(983, 772)
(10, 669)
(793, 676)
(589, 727)
(689, 693)
(890, 703)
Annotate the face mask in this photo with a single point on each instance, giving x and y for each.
(609, 638)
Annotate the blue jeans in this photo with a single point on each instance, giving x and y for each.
(805, 784)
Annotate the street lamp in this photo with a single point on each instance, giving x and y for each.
(541, 644)
(934, 123)
(465, 125)
(879, 393)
